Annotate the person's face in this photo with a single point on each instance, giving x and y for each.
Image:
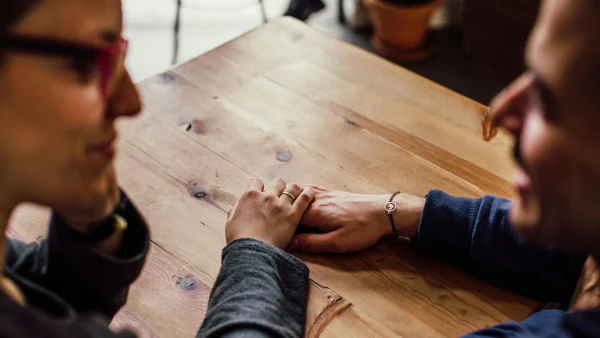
(57, 127)
(553, 110)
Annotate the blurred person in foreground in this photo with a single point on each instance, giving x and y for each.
(63, 85)
(544, 244)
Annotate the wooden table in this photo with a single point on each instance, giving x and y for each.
(288, 101)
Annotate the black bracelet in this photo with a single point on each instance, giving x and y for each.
(390, 207)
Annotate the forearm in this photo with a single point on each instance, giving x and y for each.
(477, 234)
(260, 292)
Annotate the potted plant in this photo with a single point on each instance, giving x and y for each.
(401, 27)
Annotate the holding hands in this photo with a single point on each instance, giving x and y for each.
(341, 222)
(270, 214)
(352, 222)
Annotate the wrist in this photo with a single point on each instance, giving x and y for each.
(379, 215)
(407, 216)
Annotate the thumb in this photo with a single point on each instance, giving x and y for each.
(314, 243)
(231, 212)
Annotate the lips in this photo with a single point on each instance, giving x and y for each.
(522, 182)
(105, 148)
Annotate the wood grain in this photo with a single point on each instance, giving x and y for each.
(287, 101)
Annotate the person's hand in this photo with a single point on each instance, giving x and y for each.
(268, 215)
(350, 222)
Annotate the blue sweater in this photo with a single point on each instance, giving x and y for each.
(261, 290)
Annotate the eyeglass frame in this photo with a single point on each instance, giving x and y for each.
(105, 57)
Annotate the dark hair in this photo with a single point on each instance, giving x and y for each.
(11, 11)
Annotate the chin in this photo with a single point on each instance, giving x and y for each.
(94, 200)
(525, 221)
(528, 223)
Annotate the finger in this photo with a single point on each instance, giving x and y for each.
(257, 185)
(314, 243)
(303, 201)
(318, 188)
(313, 217)
(276, 187)
(292, 189)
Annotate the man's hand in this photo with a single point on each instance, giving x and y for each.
(271, 215)
(352, 222)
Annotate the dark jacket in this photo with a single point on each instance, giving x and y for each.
(261, 290)
(70, 289)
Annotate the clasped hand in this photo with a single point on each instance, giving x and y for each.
(341, 222)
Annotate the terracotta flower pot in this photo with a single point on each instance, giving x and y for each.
(400, 28)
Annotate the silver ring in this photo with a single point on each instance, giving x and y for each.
(290, 195)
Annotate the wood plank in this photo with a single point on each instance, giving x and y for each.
(379, 89)
(357, 151)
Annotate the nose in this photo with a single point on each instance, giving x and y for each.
(125, 99)
(509, 106)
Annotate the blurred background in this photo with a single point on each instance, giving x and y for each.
(478, 43)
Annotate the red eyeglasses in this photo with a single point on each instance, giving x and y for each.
(109, 60)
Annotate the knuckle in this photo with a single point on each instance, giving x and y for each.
(270, 198)
(279, 212)
(306, 197)
(251, 193)
(294, 187)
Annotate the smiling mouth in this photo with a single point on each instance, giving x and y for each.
(105, 148)
(521, 180)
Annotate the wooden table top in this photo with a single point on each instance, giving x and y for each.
(285, 100)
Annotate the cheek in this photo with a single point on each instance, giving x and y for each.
(545, 159)
(63, 123)
(79, 110)
(44, 139)
(564, 186)
(49, 104)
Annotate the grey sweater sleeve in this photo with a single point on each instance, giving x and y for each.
(261, 291)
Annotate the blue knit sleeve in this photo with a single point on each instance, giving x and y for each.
(477, 233)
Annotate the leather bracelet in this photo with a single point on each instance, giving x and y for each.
(390, 207)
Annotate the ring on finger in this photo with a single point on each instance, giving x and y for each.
(290, 195)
